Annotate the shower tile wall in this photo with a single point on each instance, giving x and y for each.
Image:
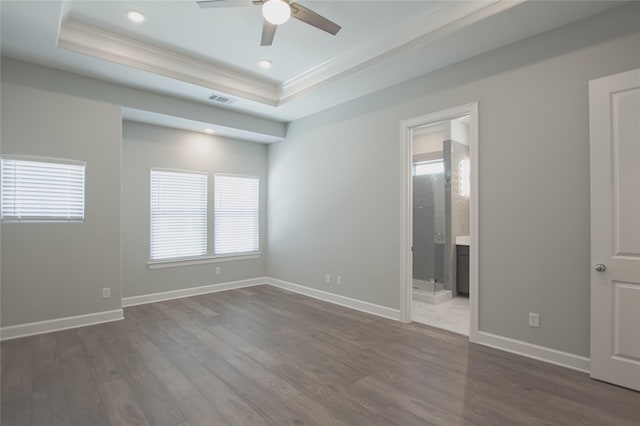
(456, 206)
(459, 204)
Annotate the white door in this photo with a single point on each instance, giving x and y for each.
(614, 115)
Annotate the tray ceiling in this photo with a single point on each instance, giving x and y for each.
(190, 52)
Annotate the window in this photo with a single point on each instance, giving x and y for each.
(236, 214)
(178, 214)
(42, 190)
(428, 168)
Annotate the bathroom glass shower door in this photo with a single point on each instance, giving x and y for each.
(429, 228)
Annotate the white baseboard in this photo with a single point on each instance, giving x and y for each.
(58, 324)
(541, 353)
(359, 305)
(187, 292)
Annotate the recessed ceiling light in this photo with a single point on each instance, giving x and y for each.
(136, 16)
(209, 131)
(264, 63)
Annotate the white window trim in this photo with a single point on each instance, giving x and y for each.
(48, 219)
(45, 219)
(178, 259)
(200, 260)
(167, 169)
(259, 179)
(39, 158)
(209, 258)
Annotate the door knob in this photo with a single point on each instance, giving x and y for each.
(600, 267)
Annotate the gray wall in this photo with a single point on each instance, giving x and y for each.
(145, 147)
(19, 72)
(533, 181)
(53, 270)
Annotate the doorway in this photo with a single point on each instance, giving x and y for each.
(439, 277)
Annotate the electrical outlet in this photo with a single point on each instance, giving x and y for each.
(217, 270)
(327, 278)
(339, 280)
(106, 293)
(534, 320)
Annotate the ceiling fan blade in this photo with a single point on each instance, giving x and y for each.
(312, 18)
(206, 4)
(268, 32)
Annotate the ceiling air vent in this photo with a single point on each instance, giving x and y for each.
(221, 99)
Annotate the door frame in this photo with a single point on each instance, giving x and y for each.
(406, 208)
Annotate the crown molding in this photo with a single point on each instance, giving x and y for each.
(450, 17)
(90, 40)
(85, 38)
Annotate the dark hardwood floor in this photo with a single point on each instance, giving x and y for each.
(263, 356)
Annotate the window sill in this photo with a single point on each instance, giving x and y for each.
(189, 261)
(42, 220)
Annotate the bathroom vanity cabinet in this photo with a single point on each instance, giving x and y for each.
(462, 269)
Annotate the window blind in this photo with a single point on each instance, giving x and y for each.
(42, 190)
(428, 168)
(178, 214)
(236, 214)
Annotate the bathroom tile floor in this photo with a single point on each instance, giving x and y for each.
(451, 315)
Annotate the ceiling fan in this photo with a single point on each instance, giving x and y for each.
(277, 12)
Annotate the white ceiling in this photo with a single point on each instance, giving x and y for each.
(190, 52)
(230, 36)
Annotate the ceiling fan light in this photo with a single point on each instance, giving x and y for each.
(276, 11)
